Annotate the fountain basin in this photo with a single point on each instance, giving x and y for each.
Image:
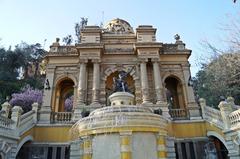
(120, 132)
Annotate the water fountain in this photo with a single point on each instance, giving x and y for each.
(120, 131)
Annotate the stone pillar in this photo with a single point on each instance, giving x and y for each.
(193, 108)
(82, 84)
(16, 114)
(225, 109)
(6, 109)
(81, 91)
(76, 149)
(159, 88)
(158, 82)
(125, 143)
(87, 147)
(202, 103)
(144, 83)
(161, 146)
(45, 111)
(96, 83)
(35, 108)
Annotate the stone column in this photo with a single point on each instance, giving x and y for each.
(144, 83)
(161, 146)
(87, 147)
(125, 144)
(158, 81)
(96, 83)
(159, 88)
(81, 91)
(82, 84)
(6, 109)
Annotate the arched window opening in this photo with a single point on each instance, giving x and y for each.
(64, 96)
(174, 93)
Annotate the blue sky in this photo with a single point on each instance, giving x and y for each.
(194, 20)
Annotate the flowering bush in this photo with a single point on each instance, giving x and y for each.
(68, 104)
(26, 98)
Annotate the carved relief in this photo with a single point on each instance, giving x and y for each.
(119, 26)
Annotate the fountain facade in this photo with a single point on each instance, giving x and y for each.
(121, 131)
(117, 77)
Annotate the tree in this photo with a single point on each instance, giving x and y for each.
(68, 40)
(78, 27)
(20, 67)
(220, 77)
(26, 98)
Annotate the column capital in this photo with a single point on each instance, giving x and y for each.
(143, 60)
(83, 61)
(96, 61)
(155, 60)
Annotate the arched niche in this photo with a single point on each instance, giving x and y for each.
(109, 84)
(64, 89)
(174, 92)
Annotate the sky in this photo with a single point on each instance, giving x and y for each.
(34, 21)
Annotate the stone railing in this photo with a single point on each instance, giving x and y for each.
(26, 121)
(213, 116)
(234, 118)
(17, 123)
(226, 118)
(61, 117)
(178, 113)
(5, 122)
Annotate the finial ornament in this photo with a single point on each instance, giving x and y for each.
(57, 40)
(177, 37)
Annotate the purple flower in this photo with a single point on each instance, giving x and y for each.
(68, 104)
(26, 98)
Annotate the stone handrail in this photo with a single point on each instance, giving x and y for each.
(17, 123)
(5, 122)
(178, 113)
(61, 117)
(234, 118)
(213, 116)
(26, 121)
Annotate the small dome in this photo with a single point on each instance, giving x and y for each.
(119, 26)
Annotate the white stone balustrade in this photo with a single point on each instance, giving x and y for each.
(211, 115)
(225, 109)
(178, 113)
(5, 122)
(234, 118)
(61, 117)
(18, 123)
